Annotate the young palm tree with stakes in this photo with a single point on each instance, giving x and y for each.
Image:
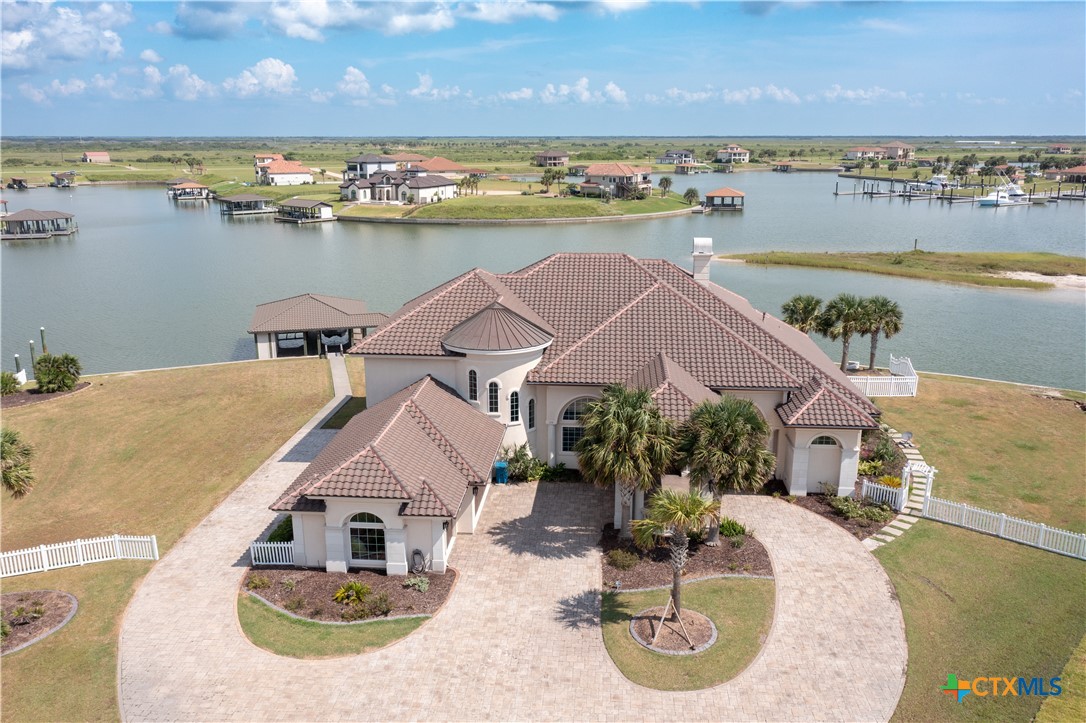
(15, 456)
(802, 312)
(884, 316)
(627, 441)
(723, 444)
(676, 515)
(843, 316)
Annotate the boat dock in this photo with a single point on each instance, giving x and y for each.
(245, 204)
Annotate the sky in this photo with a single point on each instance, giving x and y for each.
(525, 68)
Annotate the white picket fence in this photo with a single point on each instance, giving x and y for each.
(883, 495)
(1034, 534)
(77, 552)
(902, 382)
(272, 553)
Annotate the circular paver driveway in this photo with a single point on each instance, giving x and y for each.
(519, 639)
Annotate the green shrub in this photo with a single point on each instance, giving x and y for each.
(289, 585)
(419, 582)
(5, 629)
(890, 481)
(8, 384)
(877, 513)
(845, 507)
(522, 465)
(622, 559)
(352, 593)
(258, 582)
(731, 528)
(737, 541)
(378, 606)
(283, 532)
(884, 450)
(852, 509)
(869, 467)
(295, 603)
(57, 373)
(557, 473)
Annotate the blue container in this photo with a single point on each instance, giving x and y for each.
(501, 472)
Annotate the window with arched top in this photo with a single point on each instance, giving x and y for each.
(367, 538)
(824, 441)
(514, 406)
(492, 398)
(473, 385)
(570, 430)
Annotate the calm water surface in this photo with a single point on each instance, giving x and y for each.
(149, 283)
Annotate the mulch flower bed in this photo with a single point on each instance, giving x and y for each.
(646, 624)
(42, 612)
(308, 593)
(819, 504)
(32, 396)
(653, 568)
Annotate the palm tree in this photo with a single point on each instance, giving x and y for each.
(665, 185)
(627, 442)
(691, 195)
(884, 316)
(843, 316)
(15, 456)
(802, 312)
(723, 443)
(677, 515)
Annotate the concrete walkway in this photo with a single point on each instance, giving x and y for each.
(519, 639)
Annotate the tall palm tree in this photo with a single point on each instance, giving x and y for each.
(15, 456)
(675, 514)
(691, 195)
(723, 443)
(802, 312)
(884, 316)
(665, 185)
(627, 441)
(842, 317)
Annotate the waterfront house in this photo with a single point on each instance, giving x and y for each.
(552, 158)
(1059, 149)
(898, 151)
(863, 153)
(284, 173)
(1075, 175)
(95, 157)
(732, 153)
(307, 324)
(615, 179)
(427, 188)
(725, 199)
(31, 224)
(444, 167)
(189, 191)
(677, 156)
(415, 186)
(262, 159)
(304, 210)
(245, 204)
(366, 165)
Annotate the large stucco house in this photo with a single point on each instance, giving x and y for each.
(514, 358)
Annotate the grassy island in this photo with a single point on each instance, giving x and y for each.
(981, 268)
(542, 207)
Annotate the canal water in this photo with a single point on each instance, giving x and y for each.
(150, 283)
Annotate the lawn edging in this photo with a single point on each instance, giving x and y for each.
(67, 619)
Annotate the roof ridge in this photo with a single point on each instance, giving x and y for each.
(391, 472)
(600, 327)
(456, 458)
(455, 283)
(809, 402)
(433, 493)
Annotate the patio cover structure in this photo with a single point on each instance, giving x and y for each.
(308, 324)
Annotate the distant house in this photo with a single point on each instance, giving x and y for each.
(1060, 150)
(577, 170)
(366, 165)
(552, 158)
(263, 159)
(444, 166)
(725, 199)
(403, 159)
(304, 210)
(615, 179)
(284, 173)
(305, 324)
(95, 157)
(898, 151)
(1075, 175)
(675, 157)
(732, 153)
(398, 186)
(863, 153)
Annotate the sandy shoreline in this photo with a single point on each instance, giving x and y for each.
(1068, 281)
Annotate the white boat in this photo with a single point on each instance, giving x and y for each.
(1001, 197)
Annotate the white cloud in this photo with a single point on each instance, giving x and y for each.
(886, 26)
(427, 91)
(614, 93)
(740, 96)
(354, 83)
(41, 34)
(270, 76)
(615, 7)
(781, 94)
(508, 11)
(186, 85)
(207, 20)
(579, 92)
(150, 56)
(974, 99)
(687, 96)
(74, 86)
(35, 94)
(320, 96)
(308, 19)
(522, 94)
(864, 96)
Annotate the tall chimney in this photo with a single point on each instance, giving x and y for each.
(703, 255)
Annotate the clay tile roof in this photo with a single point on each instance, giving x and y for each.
(308, 312)
(675, 391)
(423, 445)
(269, 156)
(438, 164)
(818, 405)
(495, 328)
(406, 157)
(277, 167)
(615, 169)
(725, 192)
(1076, 169)
(189, 184)
(29, 214)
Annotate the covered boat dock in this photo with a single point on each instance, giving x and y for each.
(724, 199)
(245, 204)
(30, 224)
(310, 324)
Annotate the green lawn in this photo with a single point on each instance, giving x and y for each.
(742, 610)
(284, 635)
(148, 453)
(999, 446)
(969, 268)
(365, 210)
(514, 207)
(1070, 705)
(351, 407)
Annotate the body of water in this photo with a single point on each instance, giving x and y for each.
(150, 283)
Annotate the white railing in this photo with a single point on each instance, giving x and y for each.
(272, 553)
(77, 552)
(883, 495)
(1034, 534)
(902, 382)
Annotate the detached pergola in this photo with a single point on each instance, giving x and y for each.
(308, 324)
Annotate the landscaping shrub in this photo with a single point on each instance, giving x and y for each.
(5, 629)
(885, 450)
(420, 583)
(283, 532)
(378, 606)
(852, 509)
(289, 585)
(57, 373)
(522, 465)
(731, 528)
(352, 593)
(557, 473)
(890, 481)
(737, 541)
(295, 603)
(622, 559)
(869, 467)
(258, 582)
(8, 384)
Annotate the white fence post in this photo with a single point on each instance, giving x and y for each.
(116, 547)
(79, 552)
(1002, 523)
(1041, 536)
(44, 558)
(154, 546)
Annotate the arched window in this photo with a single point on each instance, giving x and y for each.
(823, 441)
(473, 386)
(367, 537)
(492, 398)
(571, 430)
(531, 414)
(514, 406)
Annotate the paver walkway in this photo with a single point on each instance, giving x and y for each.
(519, 639)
